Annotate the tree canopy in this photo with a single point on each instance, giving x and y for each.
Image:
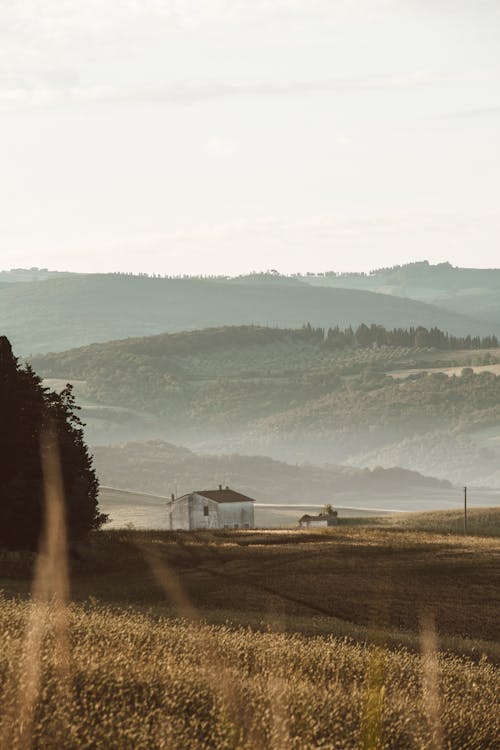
(27, 411)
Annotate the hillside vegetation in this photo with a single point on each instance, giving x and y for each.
(59, 313)
(293, 395)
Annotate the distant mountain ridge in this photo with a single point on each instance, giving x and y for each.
(65, 312)
(423, 273)
(27, 275)
(470, 291)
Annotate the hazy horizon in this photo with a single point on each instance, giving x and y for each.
(264, 270)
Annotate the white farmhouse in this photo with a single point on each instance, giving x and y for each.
(211, 509)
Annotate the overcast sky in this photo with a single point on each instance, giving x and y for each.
(221, 136)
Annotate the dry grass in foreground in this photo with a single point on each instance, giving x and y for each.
(134, 662)
(141, 681)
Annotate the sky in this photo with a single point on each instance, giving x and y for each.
(225, 136)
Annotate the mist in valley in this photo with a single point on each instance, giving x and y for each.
(361, 416)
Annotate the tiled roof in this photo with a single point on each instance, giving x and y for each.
(225, 496)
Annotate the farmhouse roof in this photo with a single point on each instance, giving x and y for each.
(225, 495)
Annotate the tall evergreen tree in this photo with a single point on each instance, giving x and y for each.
(27, 409)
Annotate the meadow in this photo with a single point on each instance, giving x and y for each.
(480, 521)
(348, 638)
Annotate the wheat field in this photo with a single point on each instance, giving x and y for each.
(138, 680)
(193, 641)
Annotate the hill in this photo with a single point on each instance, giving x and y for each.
(59, 313)
(162, 468)
(469, 291)
(292, 395)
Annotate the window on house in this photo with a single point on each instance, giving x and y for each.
(205, 510)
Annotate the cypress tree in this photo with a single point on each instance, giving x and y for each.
(27, 409)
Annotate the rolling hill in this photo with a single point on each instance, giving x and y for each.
(160, 467)
(60, 313)
(469, 291)
(291, 395)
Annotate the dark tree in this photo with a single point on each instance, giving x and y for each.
(364, 335)
(27, 410)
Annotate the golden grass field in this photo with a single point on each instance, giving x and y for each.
(480, 521)
(348, 638)
(139, 680)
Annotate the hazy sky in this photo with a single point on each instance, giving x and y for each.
(228, 135)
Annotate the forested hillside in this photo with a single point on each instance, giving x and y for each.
(60, 313)
(298, 395)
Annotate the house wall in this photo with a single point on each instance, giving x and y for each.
(197, 517)
(179, 513)
(323, 523)
(188, 513)
(236, 514)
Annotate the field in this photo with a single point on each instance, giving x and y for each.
(449, 371)
(350, 638)
(480, 521)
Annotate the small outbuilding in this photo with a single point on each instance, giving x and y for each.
(211, 509)
(322, 521)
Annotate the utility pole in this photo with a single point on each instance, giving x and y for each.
(465, 510)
